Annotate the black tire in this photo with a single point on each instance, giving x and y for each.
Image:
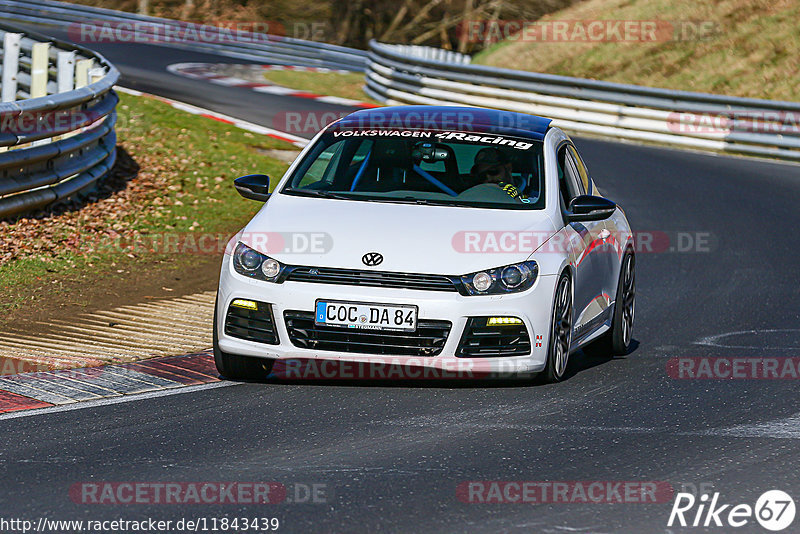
(617, 340)
(235, 367)
(560, 333)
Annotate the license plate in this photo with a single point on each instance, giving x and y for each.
(360, 315)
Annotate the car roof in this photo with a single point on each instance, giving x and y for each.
(446, 118)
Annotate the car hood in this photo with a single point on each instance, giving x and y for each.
(411, 238)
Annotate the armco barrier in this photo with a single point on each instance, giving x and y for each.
(57, 120)
(682, 118)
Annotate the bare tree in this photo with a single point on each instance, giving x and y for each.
(188, 9)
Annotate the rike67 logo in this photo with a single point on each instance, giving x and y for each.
(774, 510)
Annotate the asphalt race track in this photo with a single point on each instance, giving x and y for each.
(392, 455)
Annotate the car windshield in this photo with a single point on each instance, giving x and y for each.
(423, 167)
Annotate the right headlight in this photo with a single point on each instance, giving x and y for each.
(249, 262)
(507, 279)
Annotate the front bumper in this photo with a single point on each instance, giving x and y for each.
(532, 306)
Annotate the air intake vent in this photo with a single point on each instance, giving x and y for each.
(251, 324)
(354, 277)
(427, 340)
(480, 340)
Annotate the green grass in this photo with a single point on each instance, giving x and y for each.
(184, 186)
(204, 157)
(751, 52)
(344, 85)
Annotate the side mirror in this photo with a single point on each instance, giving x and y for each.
(253, 186)
(589, 208)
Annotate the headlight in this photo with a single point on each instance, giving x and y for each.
(508, 279)
(249, 262)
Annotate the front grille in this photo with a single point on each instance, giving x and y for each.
(482, 341)
(354, 277)
(252, 325)
(427, 340)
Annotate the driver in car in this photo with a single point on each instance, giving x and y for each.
(492, 166)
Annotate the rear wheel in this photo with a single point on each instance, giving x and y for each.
(560, 332)
(237, 367)
(618, 339)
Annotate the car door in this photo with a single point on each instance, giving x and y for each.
(590, 295)
(608, 249)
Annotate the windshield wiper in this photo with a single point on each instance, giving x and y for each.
(344, 196)
(320, 193)
(420, 201)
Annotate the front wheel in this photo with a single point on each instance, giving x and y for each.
(560, 333)
(235, 367)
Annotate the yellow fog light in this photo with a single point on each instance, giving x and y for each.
(494, 321)
(246, 304)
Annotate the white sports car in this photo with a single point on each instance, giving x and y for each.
(431, 236)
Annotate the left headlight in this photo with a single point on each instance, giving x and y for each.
(508, 279)
(249, 262)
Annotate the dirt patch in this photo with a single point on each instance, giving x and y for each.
(94, 291)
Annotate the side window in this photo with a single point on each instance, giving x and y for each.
(568, 177)
(582, 171)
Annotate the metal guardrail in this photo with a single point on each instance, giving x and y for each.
(694, 120)
(435, 54)
(57, 120)
(260, 47)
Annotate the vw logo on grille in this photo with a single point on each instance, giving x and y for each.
(371, 259)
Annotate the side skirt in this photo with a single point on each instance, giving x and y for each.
(594, 329)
